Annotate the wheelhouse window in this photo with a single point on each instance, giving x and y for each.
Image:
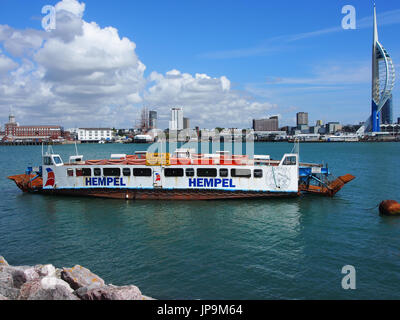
(126, 172)
(189, 172)
(86, 172)
(223, 173)
(47, 161)
(241, 173)
(290, 161)
(112, 172)
(97, 172)
(207, 172)
(173, 172)
(142, 172)
(57, 160)
(258, 173)
(78, 172)
(70, 172)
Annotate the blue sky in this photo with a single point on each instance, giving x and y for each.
(288, 56)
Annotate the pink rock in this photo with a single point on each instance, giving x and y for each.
(110, 292)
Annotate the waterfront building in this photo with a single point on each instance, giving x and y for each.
(186, 123)
(319, 123)
(152, 120)
(270, 135)
(398, 120)
(387, 111)
(270, 124)
(302, 119)
(176, 122)
(333, 127)
(307, 137)
(314, 129)
(43, 132)
(94, 134)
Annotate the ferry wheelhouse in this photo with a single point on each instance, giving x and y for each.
(183, 175)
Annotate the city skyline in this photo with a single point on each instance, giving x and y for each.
(281, 66)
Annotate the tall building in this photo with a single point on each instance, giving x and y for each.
(186, 123)
(383, 76)
(387, 111)
(271, 124)
(302, 119)
(319, 123)
(152, 119)
(176, 122)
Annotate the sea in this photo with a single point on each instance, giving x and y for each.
(257, 249)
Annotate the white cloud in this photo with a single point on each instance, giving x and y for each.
(73, 6)
(208, 101)
(86, 75)
(6, 64)
(73, 74)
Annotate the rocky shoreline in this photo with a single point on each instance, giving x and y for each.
(45, 282)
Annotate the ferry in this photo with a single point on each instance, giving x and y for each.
(182, 175)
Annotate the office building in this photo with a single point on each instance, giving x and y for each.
(271, 124)
(302, 119)
(152, 120)
(186, 123)
(176, 122)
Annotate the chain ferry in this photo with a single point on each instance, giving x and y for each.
(182, 175)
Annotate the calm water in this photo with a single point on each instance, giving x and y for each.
(253, 249)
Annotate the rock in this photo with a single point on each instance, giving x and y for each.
(47, 270)
(3, 261)
(6, 279)
(79, 277)
(58, 273)
(9, 292)
(110, 292)
(24, 274)
(28, 289)
(58, 293)
(48, 288)
(389, 208)
(49, 283)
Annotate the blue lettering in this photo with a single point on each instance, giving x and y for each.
(121, 182)
(109, 181)
(88, 181)
(231, 185)
(200, 182)
(94, 181)
(101, 181)
(225, 183)
(208, 183)
(217, 182)
(116, 182)
(192, 182)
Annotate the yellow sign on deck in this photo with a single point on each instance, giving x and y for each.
(157, 159)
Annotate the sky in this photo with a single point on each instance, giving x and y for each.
(223, 62)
